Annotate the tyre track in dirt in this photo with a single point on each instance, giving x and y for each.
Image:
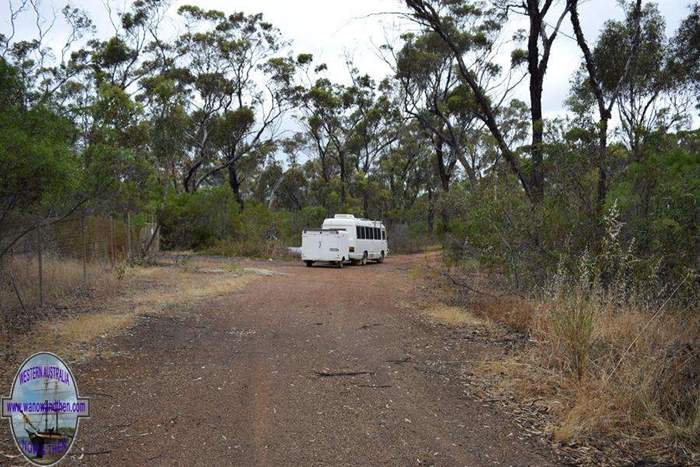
(232, 380)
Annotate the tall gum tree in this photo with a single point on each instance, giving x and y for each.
(239, 84)
(605, 101)
(448, 19)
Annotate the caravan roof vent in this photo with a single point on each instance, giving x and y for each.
(344, 216)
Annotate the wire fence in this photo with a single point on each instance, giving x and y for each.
(57, 260)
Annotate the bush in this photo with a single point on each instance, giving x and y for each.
(408, 238)
(610, 344)
(197, 220)
(612, 327)
(211, 220)
(308, 217)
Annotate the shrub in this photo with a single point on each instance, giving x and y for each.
(610, 344)
(196, 220)
(613, 327)
(408, 238)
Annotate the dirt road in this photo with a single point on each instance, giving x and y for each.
(300, 366)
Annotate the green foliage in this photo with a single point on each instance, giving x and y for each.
(518, 57)
(11, 86)
(685, 62)
(39, 169)
(197, 220)
(120, 178)
(655, 206)
(659, 199)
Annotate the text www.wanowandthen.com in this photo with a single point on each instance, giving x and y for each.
(77, 407)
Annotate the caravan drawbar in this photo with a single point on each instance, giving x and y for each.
(345, 238)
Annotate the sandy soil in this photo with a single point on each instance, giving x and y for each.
(295, 366)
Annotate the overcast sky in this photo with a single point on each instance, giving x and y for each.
(334, 29)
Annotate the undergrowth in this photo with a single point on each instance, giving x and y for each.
(617, 348)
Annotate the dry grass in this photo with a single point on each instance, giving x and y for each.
(62, 277)
(156, 290)
(514, 312)
(184, 286)
(611, 373)
(604, 370)
(70, 337)
(455, 316)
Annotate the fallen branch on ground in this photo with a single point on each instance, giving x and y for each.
(326, 374)
(95, 453)
(399, 361)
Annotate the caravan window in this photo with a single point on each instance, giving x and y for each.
(377, 235)
(359, 232)
(383, 234)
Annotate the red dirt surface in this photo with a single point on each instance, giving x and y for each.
(256, 377)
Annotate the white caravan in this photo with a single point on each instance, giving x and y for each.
(327, 245)
(345, 238)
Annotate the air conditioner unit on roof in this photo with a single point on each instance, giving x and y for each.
(344, 216)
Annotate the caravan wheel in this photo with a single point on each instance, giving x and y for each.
(363, 261)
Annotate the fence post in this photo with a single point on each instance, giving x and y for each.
(83, 233)
(40, 251)
(111, 241)
(128, 236)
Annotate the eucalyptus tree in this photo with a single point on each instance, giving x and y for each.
(605, 95)
(632, 66)
(433, 94)
(642, 89)
(54, 115)
(46, 67)
(41, 179)
(117, 138)
(541, 34)
(238, 86)
(376, 131)
(349, 128)
(406, 170)
(330, 118)
(470, 31)
(469, 28)
(686, 52)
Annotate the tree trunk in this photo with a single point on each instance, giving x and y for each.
(235, 184)
(536, 78)
(602, 158)
(440, 163)
(342, 180)
(431, 211)
(594, 82)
